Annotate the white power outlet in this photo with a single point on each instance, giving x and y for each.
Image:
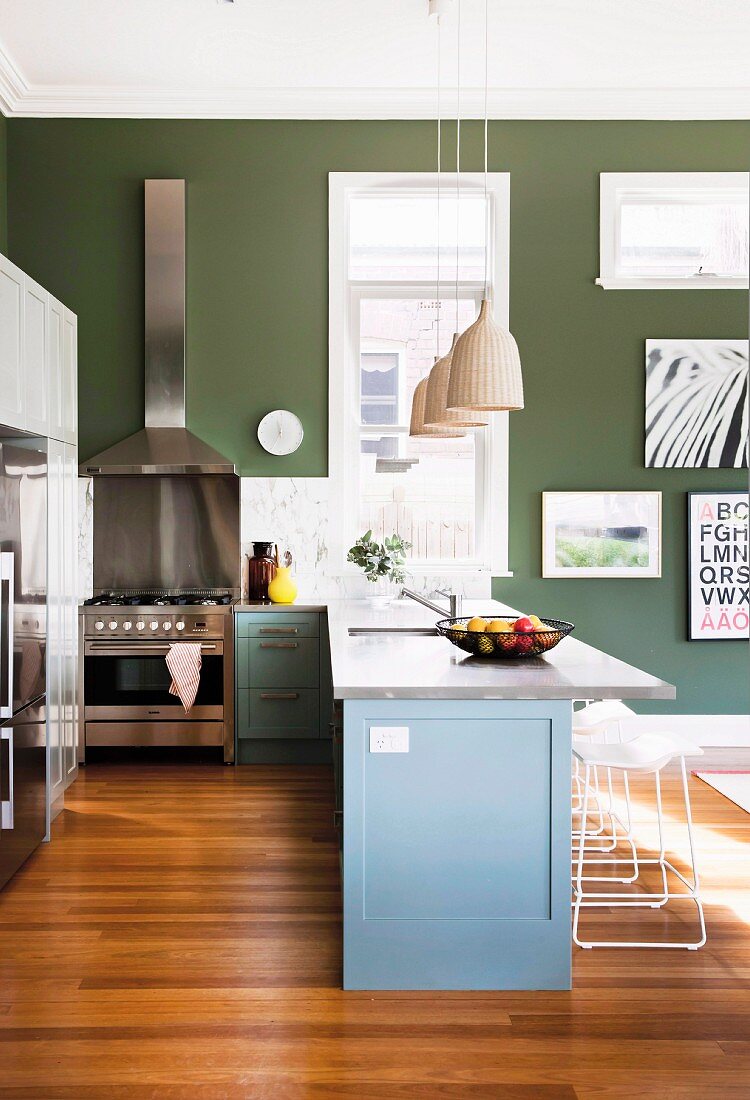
(389, 738)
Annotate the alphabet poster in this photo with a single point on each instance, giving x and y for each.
(719, 565)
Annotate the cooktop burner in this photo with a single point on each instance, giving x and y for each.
(146, 599)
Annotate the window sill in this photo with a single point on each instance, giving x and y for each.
(687, 282)
(428, 569)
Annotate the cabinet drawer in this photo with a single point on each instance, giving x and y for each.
(278, 624)
(273, 662)
(275, 713)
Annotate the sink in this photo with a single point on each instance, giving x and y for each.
(402, 631)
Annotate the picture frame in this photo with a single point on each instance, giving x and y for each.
(718, 565)
(601, 533)
(695, 404)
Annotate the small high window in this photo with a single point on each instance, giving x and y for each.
(673, 230)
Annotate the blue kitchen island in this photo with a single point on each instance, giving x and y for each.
(456, 801)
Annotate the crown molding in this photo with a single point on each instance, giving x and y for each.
(13, 87)
(19, 99)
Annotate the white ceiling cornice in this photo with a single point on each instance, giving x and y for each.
(13, 87)
(20, 99)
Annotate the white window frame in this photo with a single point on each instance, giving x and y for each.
(383, 347)
(491, 443)
(700, 185)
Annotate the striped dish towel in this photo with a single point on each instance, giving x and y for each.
(184, 664)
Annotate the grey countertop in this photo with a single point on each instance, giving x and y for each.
(388, 665)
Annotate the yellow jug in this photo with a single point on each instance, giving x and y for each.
(282, 589)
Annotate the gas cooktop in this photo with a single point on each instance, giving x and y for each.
(162, 599)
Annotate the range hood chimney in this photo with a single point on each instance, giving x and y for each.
(164, 446)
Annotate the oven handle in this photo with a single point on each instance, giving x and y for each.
(7, 612)
(125, 650)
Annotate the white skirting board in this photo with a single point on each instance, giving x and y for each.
(725, 730)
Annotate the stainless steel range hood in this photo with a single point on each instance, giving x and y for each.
(164, 446)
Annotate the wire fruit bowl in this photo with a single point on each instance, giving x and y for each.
(507, 645)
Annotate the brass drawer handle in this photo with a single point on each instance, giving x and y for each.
(279, 645)
(278, 630)
(279, 695)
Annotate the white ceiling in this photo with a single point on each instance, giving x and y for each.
(373, 58)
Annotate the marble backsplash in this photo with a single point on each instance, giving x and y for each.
(293, 512)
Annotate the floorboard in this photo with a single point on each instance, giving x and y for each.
(180, 938)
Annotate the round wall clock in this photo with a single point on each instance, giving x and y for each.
(280, 432)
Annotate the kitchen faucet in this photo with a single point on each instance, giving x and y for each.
(454, 600)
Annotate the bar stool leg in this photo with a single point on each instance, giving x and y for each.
(653, 900)
(578, 888)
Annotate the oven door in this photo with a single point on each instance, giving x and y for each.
(129, 682)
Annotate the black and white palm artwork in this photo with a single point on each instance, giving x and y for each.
(696, 403)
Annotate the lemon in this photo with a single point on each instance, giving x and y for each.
(485, 645)
(477, 624)
(538, 624)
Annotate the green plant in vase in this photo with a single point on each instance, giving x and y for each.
(383, 563)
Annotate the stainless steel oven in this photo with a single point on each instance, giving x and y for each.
(126, 680)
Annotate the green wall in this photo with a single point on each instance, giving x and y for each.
(3, 183)
(257, 317)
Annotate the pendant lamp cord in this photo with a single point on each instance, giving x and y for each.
(486, 85)
(458, 146)
(439, 159)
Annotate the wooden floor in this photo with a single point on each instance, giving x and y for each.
(180, 938)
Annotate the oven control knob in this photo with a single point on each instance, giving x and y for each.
(140, 625)
(127, 625)
(179, 625)
(98, 625)
(167, 625)
(113, 624)
(154, 624)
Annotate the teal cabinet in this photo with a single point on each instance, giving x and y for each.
(284, 691)
(275, 714)
(457, 851)
(278, 624)
(279, 663)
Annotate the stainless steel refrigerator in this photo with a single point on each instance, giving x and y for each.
(23, 641)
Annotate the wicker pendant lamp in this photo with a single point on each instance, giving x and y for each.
(486, 368)
(417, 428)
(437, 414)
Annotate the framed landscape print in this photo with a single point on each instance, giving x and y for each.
(696, 411)
(718, 605)
(601, 534)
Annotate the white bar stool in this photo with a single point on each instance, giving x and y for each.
(601, 722)
(648, 753)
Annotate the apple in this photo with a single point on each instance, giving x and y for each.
(525, 642)
(523, 625)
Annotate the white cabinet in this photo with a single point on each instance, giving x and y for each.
(12, 394)
(70, 377)
(38, 358)
(62, 620)
(63, 372)
(56, 313)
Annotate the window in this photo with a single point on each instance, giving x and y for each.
(447, 496)
(673, 230)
